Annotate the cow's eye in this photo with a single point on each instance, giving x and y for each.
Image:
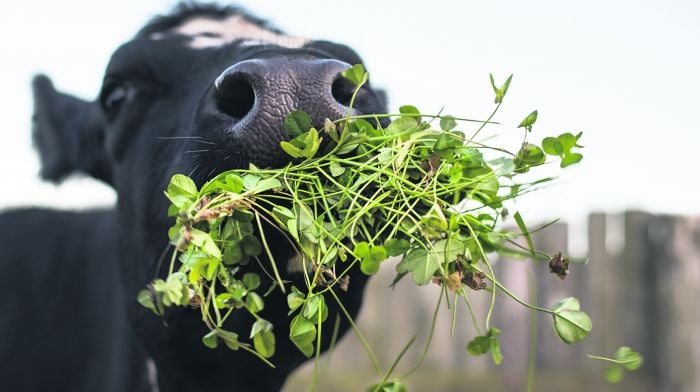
(113, 97)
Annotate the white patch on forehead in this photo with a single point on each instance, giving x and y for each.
(207, 32)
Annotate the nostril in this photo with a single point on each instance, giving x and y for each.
(235, 96)
(342, 90)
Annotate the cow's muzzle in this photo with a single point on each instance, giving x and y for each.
(252, 98)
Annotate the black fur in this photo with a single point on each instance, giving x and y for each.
(72, 277)
(68, 134)
(63, 314)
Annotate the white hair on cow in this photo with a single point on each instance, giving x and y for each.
(207, 32)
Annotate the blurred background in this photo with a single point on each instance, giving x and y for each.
(625, 73)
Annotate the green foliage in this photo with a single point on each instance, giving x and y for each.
(528, 121)
(354, 195)
(302, 332)
(529, 156)
(356, 74)
(624, 360)
(572, 325)
(500, 91)
(482, 344)
(561, 146)
(389, 386)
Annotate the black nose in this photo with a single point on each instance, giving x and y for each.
(256, 96)
(276, 86)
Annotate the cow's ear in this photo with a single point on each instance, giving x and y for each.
(68, 134)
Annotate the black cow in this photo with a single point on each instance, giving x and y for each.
(198, 91)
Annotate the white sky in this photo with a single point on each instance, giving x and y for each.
(626, 73)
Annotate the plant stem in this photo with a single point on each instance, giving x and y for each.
(263, 239)
(358, 333)
(430, 336)
(396, 362)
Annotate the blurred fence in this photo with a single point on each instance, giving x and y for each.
(641, 287)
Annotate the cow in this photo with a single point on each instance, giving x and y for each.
(200, 90)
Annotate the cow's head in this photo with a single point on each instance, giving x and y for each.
(198, 91)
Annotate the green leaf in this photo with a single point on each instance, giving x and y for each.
(145, 298)
(449, 141)
(370, 257)
(526, 233)
(205, 243)
(203, 268)
(448, 249)
(396, 247)
(624, 358)
(502, 166)
(264, 343)
(571, 324)
(411, 111)
(176, 290)
(561, 146)
(500, 91)
(251, 280)
(479, 345)
(570, 159)
(369, 266)
(336, 169)
(423, 263)
(631, 360)
(295, 298)
(401, 125)
(266, 184)
(567, 140)
(528, 121)
(296, 123)
(252, 246)
(552, 146)
(210, 340)
(482, 344)
(312, 143)
(259, 326)
(356, 74)
(314, 305)
(528, 156)
(614, 374)
(330, 128)
(447, 123)
(282, 213)
(233, 183)
(361, 250)
(302, 333)
(263, 338)
(181, 191)
(378, 254)
(435, 218)
(254, 302)
(182, 185)
(495, 347)
(389, 386)
(292, 150)
(233, 254)
(362, 127)
(229, 338)
(250, 181)
(223, 300)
